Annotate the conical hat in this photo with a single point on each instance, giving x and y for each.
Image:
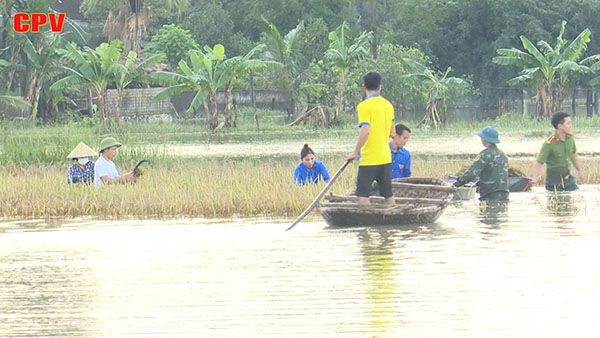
(82, 150)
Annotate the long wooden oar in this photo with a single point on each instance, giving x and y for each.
(319, 196)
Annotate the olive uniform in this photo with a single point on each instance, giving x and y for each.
(492, 169)
(556, 154)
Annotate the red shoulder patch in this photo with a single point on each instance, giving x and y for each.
(552, 139)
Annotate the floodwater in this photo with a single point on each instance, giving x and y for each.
(464, 144)
(527, 270)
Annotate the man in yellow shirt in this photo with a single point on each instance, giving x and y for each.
(376, 123)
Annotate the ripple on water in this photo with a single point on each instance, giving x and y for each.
(519, 270)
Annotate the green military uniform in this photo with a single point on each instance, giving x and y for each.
(556, 154)
(492, 169)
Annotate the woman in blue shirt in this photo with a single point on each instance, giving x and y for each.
(82, 171)
(309, 169)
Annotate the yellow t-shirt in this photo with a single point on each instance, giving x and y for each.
(378, 113)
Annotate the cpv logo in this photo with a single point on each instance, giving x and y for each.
(25, 22)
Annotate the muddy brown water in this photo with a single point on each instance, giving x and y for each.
(525, 271)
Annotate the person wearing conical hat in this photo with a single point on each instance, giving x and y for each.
(82, 171)
(105, 170)
(491, 167)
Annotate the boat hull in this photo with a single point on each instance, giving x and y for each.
(343, 211)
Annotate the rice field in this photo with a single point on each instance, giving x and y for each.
(216, 188)
(231, 173)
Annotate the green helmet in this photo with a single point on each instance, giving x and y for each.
(107, 143)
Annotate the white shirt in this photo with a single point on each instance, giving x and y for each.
(104, 167)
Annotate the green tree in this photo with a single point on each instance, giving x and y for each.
(209, 24)
(544, 66)
(374, 14)
(247, 15)
(436, 85)
(131, 71)
(40, 63)
(91, 70)
(345, 54)
(238, 68)
(286, 51)
(205, 75)
(32, 60)
(173, 42)
(14, 101)
(132, 18)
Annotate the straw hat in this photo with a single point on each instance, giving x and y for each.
(107, 143)
(82, 150)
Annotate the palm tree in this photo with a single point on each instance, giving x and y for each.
(542, 66)
(91, 70)
(436, 85)
(205, 75)
(132, 19)
(344, 57)
(131, 71)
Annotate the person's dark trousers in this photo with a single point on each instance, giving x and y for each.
(495, 196)
(561, 183)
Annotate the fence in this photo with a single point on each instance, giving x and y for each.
(140, 103)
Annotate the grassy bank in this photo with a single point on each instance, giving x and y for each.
(213, 188)
(22, 144)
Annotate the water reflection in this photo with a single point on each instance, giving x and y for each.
(493, 213)
(37, 289)
(564, 204)
(376, 248)
(479, 271)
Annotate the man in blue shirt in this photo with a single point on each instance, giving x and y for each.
(400, 156)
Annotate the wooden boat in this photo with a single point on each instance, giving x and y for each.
(519, 183)
(467, 192)
(422, 187)
(343, 211)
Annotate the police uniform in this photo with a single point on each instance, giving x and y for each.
(556, 154)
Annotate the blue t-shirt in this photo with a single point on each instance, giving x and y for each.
(303, 175)
(400, 162)
(77, 175)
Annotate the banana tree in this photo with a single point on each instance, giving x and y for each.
(437, 85)
(14, 101)
(345, 55)
(33, 58)
(286, 50)
(132, 19)
(242, 67)
(42, 63)
(91, 70)
(549, 69)
(131, 71)
(205, 75)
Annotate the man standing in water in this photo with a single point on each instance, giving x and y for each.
(558, 152)
(491, 167)
(376, 123)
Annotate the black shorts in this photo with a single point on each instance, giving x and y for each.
(382, 174)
